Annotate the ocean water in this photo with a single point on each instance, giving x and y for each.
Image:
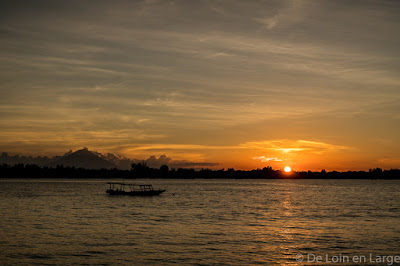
(200, 222)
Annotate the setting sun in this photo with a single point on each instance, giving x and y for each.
(287, 169)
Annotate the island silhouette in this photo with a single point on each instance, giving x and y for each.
(87, 164)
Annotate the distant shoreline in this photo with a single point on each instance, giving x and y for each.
(30, 171)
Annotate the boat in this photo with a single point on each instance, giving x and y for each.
(118, 188)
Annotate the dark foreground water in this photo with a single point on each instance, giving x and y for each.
(238, 222)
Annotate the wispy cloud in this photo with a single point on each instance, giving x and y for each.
(159, 73)
(293, 146)
(291, 12)
(267, 159)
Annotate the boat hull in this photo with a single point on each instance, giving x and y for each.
(135, 193)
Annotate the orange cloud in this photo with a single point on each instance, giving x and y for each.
(267, 159)
(291, 146)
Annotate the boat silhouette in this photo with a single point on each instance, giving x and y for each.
(118, 188)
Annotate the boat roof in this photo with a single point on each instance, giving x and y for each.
(128, 184)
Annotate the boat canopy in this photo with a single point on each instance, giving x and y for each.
(143, 187)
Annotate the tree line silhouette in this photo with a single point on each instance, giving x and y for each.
(141, 170)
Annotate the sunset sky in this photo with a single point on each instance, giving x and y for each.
(245, 84)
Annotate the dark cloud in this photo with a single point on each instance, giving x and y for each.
(120, 161)
(155, 162)
(186, 164)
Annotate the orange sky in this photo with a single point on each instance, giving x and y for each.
(245, 84)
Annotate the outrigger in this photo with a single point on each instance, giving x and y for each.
(134, 190)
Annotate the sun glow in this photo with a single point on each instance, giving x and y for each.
(287, 169)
